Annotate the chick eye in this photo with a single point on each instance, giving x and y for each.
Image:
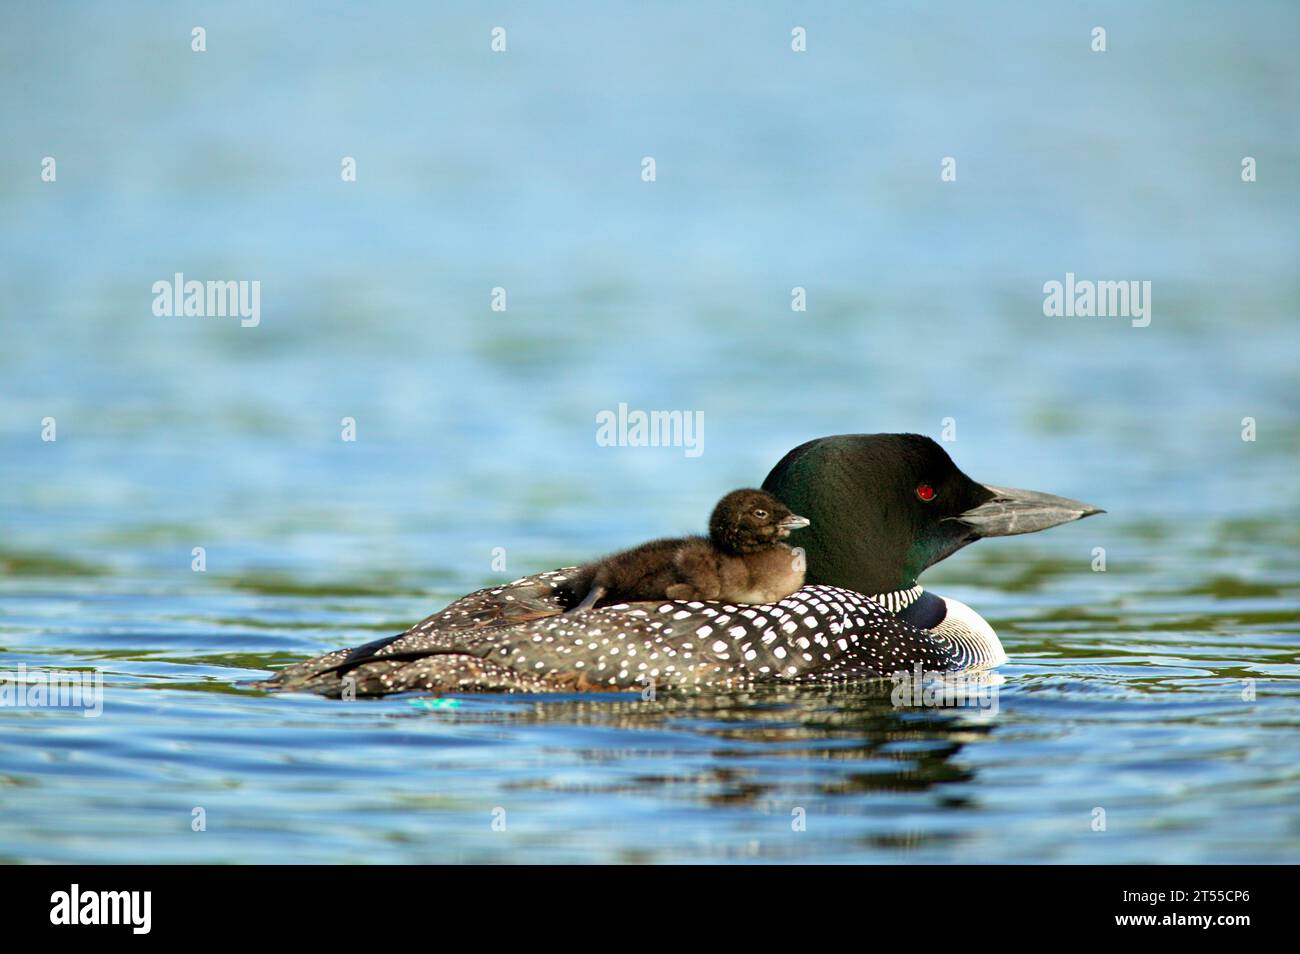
(760, 514)
(925, 492)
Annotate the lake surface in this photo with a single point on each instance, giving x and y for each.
(1164, 690)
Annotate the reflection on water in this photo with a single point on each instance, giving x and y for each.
(1131, 705)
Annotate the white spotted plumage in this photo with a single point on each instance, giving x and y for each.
(819, 634)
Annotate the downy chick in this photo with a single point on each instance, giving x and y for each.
(742, 560)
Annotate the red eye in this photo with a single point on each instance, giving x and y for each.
(925, 492)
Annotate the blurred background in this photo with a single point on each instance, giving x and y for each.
(476, 429)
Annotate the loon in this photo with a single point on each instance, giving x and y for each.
(741, 561)
(882, 508)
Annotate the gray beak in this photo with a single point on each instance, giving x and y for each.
(794, 522)
(1022, 511)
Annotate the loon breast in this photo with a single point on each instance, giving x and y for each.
(970, 639)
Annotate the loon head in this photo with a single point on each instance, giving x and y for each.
(746, 521)
(883, 507)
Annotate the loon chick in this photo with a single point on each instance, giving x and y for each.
(883, 508)
(742, 560)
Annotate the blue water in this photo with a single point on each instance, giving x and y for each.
(475, 428)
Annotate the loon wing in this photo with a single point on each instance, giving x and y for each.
(493, 607)
(517, 638)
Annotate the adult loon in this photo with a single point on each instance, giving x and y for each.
(883, 508)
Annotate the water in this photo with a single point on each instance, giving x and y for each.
(476, 429)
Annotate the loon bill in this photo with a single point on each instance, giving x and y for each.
(883, 508)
